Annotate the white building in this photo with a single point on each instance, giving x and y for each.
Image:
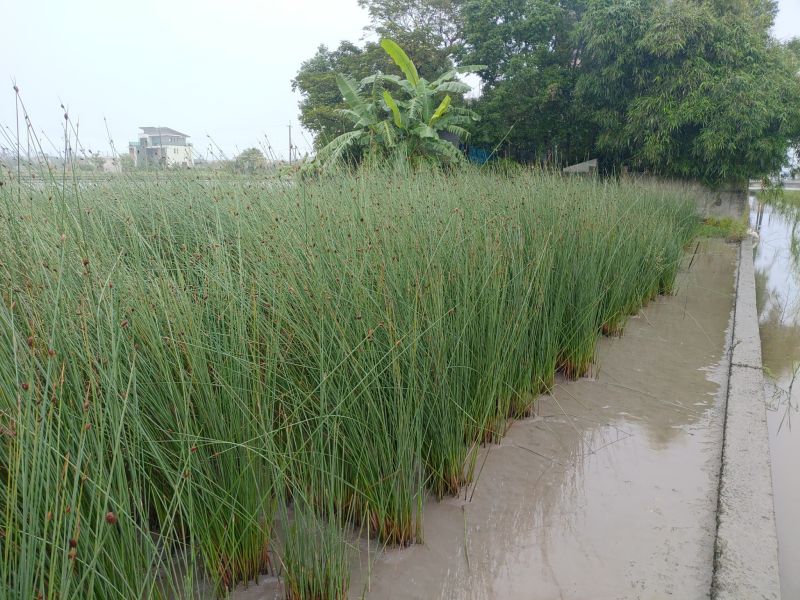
(161, 146)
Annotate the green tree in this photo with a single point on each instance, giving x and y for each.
(611, 69)
(793, 48)
(321, 99)
(531, 53)
(697, 89)
(408, 123)
(250, 161)
(437, 22)
(686, 88)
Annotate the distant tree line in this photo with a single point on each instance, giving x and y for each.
(682, 88)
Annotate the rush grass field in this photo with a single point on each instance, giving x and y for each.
(203, 380)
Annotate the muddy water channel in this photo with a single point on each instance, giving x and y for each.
(610, 491)
(777, 263)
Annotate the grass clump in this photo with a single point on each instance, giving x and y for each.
(732, 230)
(315, 558)
(210, 379)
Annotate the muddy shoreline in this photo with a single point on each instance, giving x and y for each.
(610, 491)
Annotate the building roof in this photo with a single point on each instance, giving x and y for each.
(161, 131)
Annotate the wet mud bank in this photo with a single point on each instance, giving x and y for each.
(746, 552)
(610, 491)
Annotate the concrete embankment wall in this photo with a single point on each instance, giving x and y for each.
(730, 204)
(726, 202)
(746, 550)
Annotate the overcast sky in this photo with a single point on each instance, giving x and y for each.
(220, 68)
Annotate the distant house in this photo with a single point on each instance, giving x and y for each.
(161, 146)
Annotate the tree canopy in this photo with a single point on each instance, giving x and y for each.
(249, 161)
(405, 116)
(322, 100)
(434, 22)
(697, 90)
(683, 88)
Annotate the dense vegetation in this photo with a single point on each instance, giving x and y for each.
(684, 88)
(203, 380)
(402, 117)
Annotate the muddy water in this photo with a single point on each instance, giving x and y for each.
(777, 262)
(609, 492)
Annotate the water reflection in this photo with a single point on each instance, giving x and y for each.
(777, 261)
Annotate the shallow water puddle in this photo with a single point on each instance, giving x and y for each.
(777, 262)
(609, 492)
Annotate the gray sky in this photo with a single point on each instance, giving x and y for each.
(787, 25)
(218, 67)
(204, 67)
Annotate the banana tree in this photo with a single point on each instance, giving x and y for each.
(407, 122)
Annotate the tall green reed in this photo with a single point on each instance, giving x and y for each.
(205, 378)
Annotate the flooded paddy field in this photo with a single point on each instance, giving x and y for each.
(610, 491)
(777, 263)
